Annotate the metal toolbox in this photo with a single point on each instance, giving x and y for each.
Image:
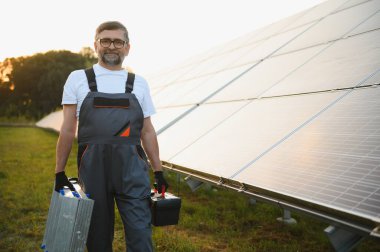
(165, 209)
(68, 220)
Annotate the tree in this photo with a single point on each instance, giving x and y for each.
(37, 81)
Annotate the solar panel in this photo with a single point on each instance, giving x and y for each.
(351, 3)
(264, 48)
(371, 24)
(265, 75)
(290, 111)
(167, 78)
(333, 161)
(337, 66)
(193, 91)
(331, 27)
(165, 116)
(293, 126)
(237, 42)
(375, 79)
(277, 27)
(225, 146)
(216, 63)
(319, 12)
(194, 126)
(168, 95)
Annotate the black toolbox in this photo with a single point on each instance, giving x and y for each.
(165, 209)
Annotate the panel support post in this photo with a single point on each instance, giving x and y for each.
(341, 239)
(252, 201)
(287, 218)
(192, 183)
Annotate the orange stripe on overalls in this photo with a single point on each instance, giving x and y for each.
(126, 132)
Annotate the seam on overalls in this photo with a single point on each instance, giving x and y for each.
(138, 154)
(81, 158)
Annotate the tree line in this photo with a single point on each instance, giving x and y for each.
(31, 86)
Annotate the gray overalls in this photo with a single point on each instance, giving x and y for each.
(113, 167)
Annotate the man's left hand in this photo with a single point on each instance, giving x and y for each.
(160, 180)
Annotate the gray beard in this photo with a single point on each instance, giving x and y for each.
(111, 61)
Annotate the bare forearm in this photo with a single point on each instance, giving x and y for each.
(64, 145)
(66, 137)
(150, 144)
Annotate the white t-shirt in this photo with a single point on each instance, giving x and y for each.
(76, 87)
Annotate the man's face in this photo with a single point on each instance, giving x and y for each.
(109, 52)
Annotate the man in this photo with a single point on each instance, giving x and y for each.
(113, 108)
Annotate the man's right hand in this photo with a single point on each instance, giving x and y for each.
(61, 181)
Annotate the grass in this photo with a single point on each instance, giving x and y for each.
(16, 120)
(212, 219)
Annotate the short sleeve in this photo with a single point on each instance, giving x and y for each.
(148, 106)
(142, 92)
(69, 95)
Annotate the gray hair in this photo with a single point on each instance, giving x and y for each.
(112, 25)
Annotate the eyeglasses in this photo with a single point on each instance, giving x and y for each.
(117, 43)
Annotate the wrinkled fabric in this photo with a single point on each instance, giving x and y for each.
(112, 169)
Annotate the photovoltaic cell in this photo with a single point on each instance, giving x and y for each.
(352, 3)
(165, 116)
(238, 42)
(339, 65)
(194, 126)
(202, 90)
(375, 79)
(168, 95)
(216, 64)
(264, 48)
(318, 12)
(254, 127)
(331, 28)
(265, 75)
(371, 24)
(193, 91)
(333, 161)
(276, 28)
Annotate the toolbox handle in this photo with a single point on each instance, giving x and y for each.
(163, 191)
(75, 193)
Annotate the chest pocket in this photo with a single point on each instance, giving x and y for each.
(103, 102)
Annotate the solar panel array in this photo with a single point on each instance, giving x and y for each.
(291, 108)
(291, 111)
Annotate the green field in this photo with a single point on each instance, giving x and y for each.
(212, 219)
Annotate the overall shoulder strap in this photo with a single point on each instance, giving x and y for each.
(130, 82)
(91, 79)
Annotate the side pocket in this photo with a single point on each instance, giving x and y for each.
(82, 148)
(141, 153)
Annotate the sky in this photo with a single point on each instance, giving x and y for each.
(162, 32)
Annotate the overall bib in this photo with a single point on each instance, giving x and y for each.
(112, 166)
